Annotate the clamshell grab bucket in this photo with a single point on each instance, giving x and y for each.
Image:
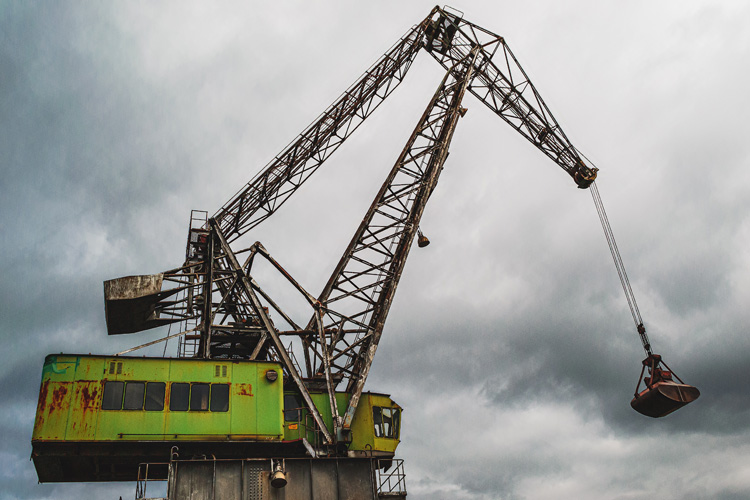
(662, 394)
(663, 398)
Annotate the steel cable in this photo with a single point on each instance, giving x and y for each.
(624, 281)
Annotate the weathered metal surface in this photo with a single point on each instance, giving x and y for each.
(663, 398)
(75, 439)
(72, 400)
(662, 394)
(364, 442)
(133, 303)
(306, 479)
(269, 330)
(132, 287)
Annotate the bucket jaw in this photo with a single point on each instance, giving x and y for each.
(662, 394)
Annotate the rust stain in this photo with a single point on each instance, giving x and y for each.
(85, 406)
(43, 396)
(41, 406)
(245, 390)
(58, 397)
(89, 398)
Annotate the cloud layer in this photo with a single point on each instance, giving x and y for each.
(509, 343)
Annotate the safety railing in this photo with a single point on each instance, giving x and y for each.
(146, 473)
(304, 425)
(188, 345)
(391, 478)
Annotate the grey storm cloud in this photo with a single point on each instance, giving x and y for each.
(509, 343)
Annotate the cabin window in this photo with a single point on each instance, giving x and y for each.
(130, 396)
(396, 416)
(386, 422)
(179, 397)
(134, 395)
(377, 418)
(155, 396)
(219, 397)
(291, 408)
(199, 397)
(112, 396)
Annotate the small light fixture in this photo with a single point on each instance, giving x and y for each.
(422, 240)
(278, 477)
(271, 375)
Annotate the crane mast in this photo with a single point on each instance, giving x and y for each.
(226, 314)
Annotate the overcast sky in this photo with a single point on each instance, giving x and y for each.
(509, 344)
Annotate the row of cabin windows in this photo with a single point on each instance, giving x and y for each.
(149, 396)
(387, 422)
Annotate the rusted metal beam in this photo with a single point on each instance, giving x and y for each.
(244, 282)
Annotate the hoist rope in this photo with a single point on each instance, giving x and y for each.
(624, 281)
(632, 304)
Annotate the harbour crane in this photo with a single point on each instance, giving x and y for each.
(227, 316)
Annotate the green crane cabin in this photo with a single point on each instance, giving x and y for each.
(98, 417)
